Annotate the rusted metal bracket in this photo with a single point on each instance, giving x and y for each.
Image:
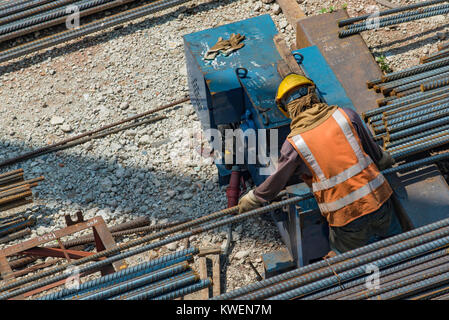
(68, 219)
(103, 240)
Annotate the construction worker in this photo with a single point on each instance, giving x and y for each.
(332, 151)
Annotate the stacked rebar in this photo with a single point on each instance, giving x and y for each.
(24, 19)
(408, 13)
(414, 116)
(14, 190)
(411, 265)
(164, 278)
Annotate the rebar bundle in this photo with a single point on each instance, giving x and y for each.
(415, 117)
(150, 280)
(369, 22)
(407, 265)
(28, 17)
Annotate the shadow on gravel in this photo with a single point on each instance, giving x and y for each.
(412, 45)
(130, 28)
(77, 180)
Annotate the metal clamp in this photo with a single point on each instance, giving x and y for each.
(241, 72)
(298, 57)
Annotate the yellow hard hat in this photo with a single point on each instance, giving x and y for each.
(290, 82)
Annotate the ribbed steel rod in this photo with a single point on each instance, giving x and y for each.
(411, 112)
(88, 28)
(22, 6)
(151, 286)
(404, 278)
(46, 16)
(431, 294)
(16, 235)
(400, 16)
(10, 3)
(186, 290)
(89, 239)
(415, 233)
(131, 277)
(407, 93)
(417, 163)
(425, 146)
(152, 265)
(392, 136)
(165, 288)
(349, 21)
(46, 149)
(418, 141)
(425, 119)
(435, 84)
(18, 184)
(417, 84)
(419, 112)
(443, 46)
(415, 70)
(435, 56)
(144, 248)
(346, 33)
(137, 282)
(416, 106)
(402, 102)
(55, 17)
(355, 285)
(389, 86)
(415, 137)
(406, 291)
(29, 12)
(279, 292)
(18, 226)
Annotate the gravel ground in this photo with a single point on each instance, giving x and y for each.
(111, 75)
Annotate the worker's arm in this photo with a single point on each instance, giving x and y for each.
(382, 158)
(290, 164)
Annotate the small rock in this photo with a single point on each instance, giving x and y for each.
(187, 196)
(124, 105)
(144, 140)
(55, 120)
(172, 246)
(276, 9)
(267, 1)
(66, 128)
(283, 24)
(441, 35)
(257, 6)
(241, 254)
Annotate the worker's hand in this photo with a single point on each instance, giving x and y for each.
(249, 202)
(386, 161)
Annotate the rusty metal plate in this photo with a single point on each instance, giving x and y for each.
(349, 58)
(422, 196)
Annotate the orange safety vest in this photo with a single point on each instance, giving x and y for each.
(345, 181)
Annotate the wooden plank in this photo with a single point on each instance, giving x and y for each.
(292, 11)
(210, 250)
(216, 271)
(203, 293)
(286, 54)
(283, 68)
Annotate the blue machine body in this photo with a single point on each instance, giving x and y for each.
(223, 94)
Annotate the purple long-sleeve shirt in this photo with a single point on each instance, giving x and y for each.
(291, 164)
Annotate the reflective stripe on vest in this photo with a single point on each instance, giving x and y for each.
(328, 183)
